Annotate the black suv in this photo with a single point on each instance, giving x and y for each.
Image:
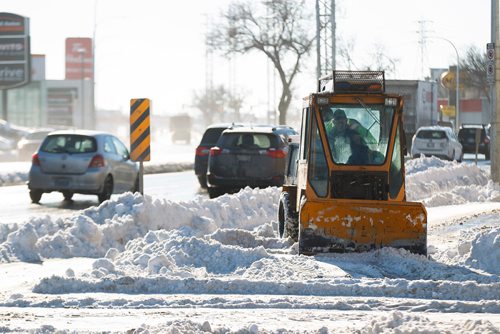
(246, 156)
(467, 137)
(210, 137)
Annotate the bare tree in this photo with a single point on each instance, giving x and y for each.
(382, 62)
(210, 103)
(379, 60)
(280, 29)
(473, 68)
(218, 102)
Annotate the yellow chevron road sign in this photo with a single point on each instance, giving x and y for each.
(140, 138)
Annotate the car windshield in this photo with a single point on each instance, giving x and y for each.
(64, 143)
(358, 133)
(248, 140)
(431, 134)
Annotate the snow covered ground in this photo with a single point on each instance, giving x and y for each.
(148, 265)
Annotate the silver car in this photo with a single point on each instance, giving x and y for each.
(82, 161)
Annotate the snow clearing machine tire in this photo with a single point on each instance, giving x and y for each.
(288, 218)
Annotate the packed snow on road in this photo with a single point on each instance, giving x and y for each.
(139, 264)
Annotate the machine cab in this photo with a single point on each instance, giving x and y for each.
(356, 144)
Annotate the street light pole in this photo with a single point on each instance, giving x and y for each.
(82, 98)
(457, 96)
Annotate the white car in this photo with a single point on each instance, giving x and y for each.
(436, 141)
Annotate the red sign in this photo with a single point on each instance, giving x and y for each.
(79, 58)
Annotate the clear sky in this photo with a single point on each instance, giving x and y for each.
(155, 48)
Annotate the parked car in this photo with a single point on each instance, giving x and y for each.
(467, 137)
(208, 140)
(30, 143)
(246, 156)
(436, 141)
(82, 161)
(6, 144)
(12, 132)
(285, 130)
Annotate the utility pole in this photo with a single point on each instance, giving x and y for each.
(325, 37)
(422, 41)
(495, 119)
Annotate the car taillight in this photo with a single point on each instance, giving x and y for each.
(276, 153)
(97, 161)
(34, 160)
(202, 151)
(214, 151)
(486, 141)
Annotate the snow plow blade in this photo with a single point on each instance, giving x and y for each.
(359, 225)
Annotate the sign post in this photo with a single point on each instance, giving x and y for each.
(140, 138)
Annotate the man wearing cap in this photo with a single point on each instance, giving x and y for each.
(346, 144)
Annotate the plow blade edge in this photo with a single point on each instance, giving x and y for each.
(357, 226)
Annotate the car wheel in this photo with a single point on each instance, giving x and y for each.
(107, 189)
(68, 195)
(35, 195)
(202, 179)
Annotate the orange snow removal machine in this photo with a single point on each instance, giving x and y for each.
(344, 186)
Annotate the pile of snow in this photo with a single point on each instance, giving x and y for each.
(114, 223)
(436, 182)
(13, 173)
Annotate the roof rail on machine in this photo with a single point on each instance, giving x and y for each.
(353, 82)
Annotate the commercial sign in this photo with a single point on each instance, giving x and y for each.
(448, 80)
(60, 106)
(448, 110)
(79, 58)
(15, 58)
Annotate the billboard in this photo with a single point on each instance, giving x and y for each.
(15, 59)
(79, 58)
